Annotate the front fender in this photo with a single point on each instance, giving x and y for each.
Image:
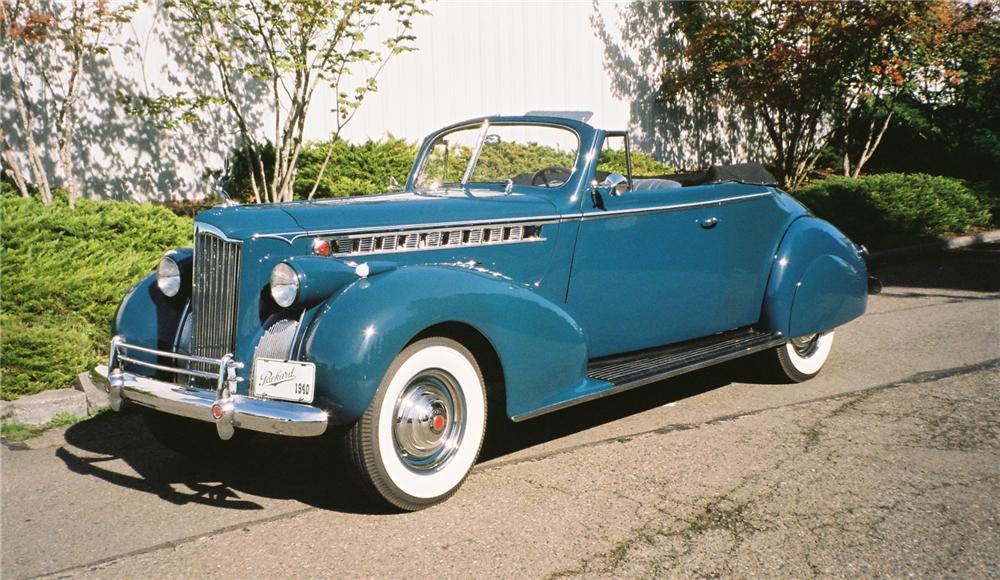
(148, 318)
(818, 281)
(360, 330)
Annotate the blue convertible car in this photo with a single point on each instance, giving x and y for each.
(524, 268)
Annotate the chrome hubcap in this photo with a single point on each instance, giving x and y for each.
(805, 346)
(429, 420)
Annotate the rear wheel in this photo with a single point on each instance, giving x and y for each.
(801, 359)
(422, 432)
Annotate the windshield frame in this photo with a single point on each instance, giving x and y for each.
(485, 124)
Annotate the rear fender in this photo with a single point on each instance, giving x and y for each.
(359, 331)
(818, 281)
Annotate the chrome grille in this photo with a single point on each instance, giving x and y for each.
(214, 295)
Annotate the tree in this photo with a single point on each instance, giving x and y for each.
(807, 69)
(46, 49)
(291, 47)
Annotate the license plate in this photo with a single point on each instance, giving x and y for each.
(284, 379)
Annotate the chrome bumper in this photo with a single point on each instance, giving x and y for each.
(226, 410)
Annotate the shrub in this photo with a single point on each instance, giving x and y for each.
(643, 164)
(64, 272)
(353, 168)
(891, 209)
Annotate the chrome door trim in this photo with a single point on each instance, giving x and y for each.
(290, 237)
(596, 215)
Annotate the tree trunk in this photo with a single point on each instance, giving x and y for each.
(871, 144)
(67, 125)
(10, 167)
(28, 126)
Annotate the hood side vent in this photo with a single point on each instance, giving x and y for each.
(433, 239)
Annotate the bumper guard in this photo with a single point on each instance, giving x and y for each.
(221, 407)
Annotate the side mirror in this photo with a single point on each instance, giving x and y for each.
(615, 184)
(393, 184)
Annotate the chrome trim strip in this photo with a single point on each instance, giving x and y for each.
(674, 207)
(776, 341)
(289, 237)
(208, 228)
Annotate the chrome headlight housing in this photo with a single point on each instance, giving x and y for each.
(168, 276)
(284, 285)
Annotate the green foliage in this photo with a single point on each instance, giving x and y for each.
(892, 209)
(17, 431)
(807, 69)
(507, 160)
(354, 169)
(64, 272)
(643, 164)
(275, 54)
(167, 111)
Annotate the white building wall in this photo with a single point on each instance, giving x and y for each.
(472, 59)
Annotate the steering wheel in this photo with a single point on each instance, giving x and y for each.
(551, 176)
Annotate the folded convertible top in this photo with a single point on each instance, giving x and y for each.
(742, 172)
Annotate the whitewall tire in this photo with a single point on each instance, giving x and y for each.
(802, 358)
(423, 430)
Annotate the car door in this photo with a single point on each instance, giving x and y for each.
(662, 266)
(646, 271)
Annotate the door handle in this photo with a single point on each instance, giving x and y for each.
(709, 223)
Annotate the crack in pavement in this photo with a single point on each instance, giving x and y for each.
(726, 513)
(174, 543)
(709, 514)
(914, 379)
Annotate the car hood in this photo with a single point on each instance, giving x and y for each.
(390, 210)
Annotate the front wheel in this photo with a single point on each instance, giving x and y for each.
(423, 430)
(801, 358)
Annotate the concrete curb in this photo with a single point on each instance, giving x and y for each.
(41, 408)
(950, 244)
(97, 398)
(38, 409)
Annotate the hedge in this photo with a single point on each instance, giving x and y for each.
(367, 167)
(893, 209)
(64, 272)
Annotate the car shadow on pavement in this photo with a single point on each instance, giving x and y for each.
(973, 269)
(506, 437)
(312, 470)
(307, 470)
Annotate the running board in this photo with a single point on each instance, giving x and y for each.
(639, 368)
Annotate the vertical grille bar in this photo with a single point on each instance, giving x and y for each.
(215, 295)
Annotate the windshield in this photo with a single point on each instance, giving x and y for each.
(539, 155)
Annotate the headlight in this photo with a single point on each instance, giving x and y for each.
(284, 285)
(168, 276)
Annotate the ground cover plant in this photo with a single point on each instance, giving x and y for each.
(64, 273)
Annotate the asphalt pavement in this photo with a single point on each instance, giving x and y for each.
(888, 463)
